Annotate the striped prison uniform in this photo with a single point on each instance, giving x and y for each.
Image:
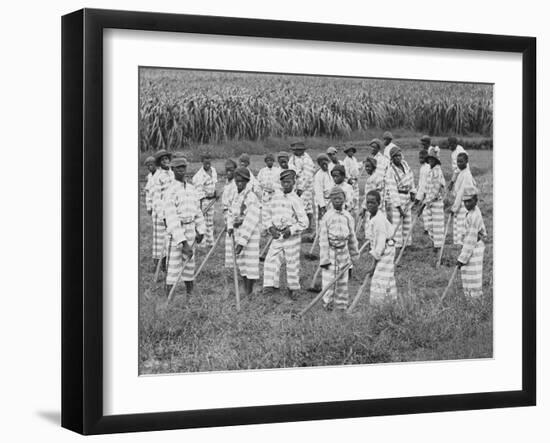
(148, 189)
(454, 155)
(472, 253)
(423, 173)
(161, 182)
(464, 180)
(229, 193)
(285, 210)
(353, 171)
(399, 184)
(322, 184)
(375, 182)
(331, 165)
(184, 219)
(245, 207)
(269, 182)
(205, 185)
(382, 164)
(305, 169)
(337, 243)
(379, 232)
(434, 219)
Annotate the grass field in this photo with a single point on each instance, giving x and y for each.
(205, 333)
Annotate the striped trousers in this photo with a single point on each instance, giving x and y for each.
(209, 221)
(337, 292)
(383, 279)
(472, 272)
(159, 237)
(436, 222)
(175, 264)
(405, 227)
(458, 225)
(228, 252)
(248, 261)
(279, 250)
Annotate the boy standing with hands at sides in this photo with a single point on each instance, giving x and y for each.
(162, 180)
(268, 179)
(322, 184)
(244, 162)
(338, 246)
(470, 260)
(185, 225)
(464, 180)
(374, 182)
(401, 192)
(244, 226)
(285, 220)
(302, 163)
(379, 231)
(433, 202)
(353, 171)
(204, 182)
(229, 193)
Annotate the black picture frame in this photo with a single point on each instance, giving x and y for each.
(82, 220)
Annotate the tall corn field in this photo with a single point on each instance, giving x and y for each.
(179, 108)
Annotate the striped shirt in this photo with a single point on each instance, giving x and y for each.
(382, 162)
(352, 167)
(337, 231)
(183, 212)
(245, 207)
(387, 150)
(162, 180)
(379, 232)
(454, 155)
(397, 180)
(375, 182)
(422, 179)
(304, 168)
(149, 192)
(205, 183)
(464, 180)
(229, 193)
(286, 210)
(322, 184)
(435, 185)
(331, 165)
(474, 231)
(269, 181)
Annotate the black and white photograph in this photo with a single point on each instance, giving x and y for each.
(293, 221)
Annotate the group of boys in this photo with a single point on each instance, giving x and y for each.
(281, 202)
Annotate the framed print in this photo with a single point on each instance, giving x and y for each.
(270, 221)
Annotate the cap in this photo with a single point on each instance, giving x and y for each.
(426, 138)
(205, 156)
(349, 148)
(452, 139)
(370, 159)
(148, 160)
(332, 150)
(230, 162)
(287, 173)
(321, 157)
(179, 160)
(244, 157)
(269, 156)
(469, 192)
(377, 142)
(162, 153)
(282, 154)
(339, 168)
(243, 173)
(394, 151)
(296, 146)
(387, 134)
(336, 190)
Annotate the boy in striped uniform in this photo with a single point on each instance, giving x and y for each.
(322, 184)
(382, 165)
(185, 226)
(302, 163)
(401, 192)
(464, 180)
(282, 159)
(388, 144)
(339, 177)
(433, 202)
(229, 193)
(374, 182)
(422, 179)
(204, 182)
(338, 246)
(456, 150)
(148, 189)
(379, 231)
(285, 219)
(353, 171)
(161, 181)
(244, 226)
(244, 162)
(268, 179)
(332, 153)
(470, 260)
